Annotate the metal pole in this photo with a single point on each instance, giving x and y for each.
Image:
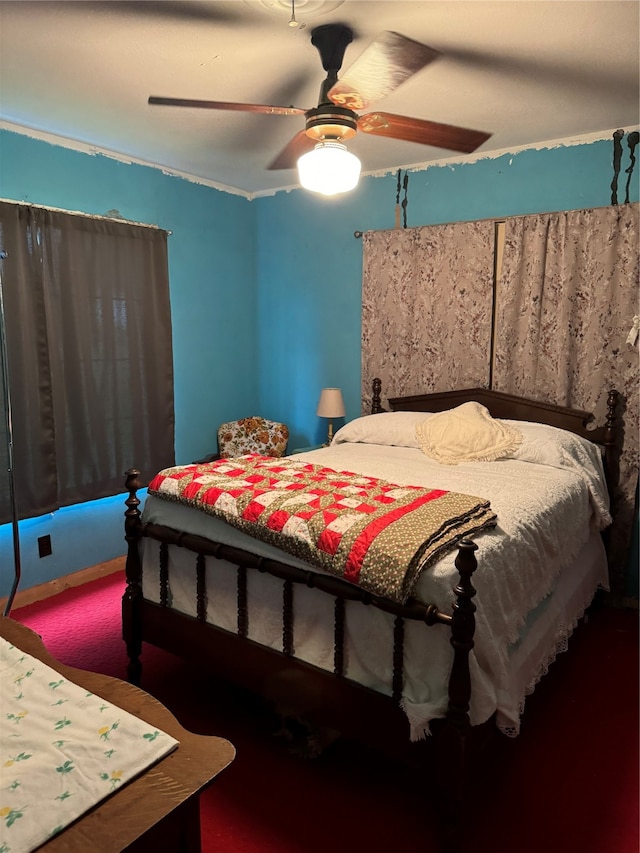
(9, 428)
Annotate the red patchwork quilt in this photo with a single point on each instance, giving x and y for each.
(368, 531)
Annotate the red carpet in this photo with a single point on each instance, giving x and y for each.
(568, 783)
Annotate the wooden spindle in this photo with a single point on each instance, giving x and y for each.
(243, 611)
(201, 588)
(398, 659)
(164, 574)
(338, 636)
(287, 618)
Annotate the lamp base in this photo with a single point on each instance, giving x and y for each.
(329, 434)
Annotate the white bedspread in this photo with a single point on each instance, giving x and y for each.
(62, 750)
(548, 511)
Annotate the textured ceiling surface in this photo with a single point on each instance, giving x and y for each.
(526, 72)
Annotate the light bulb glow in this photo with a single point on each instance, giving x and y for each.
(329, 169)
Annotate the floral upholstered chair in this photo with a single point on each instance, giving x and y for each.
(252, 435)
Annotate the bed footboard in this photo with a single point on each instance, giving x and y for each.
(461, 621)
(324, 700)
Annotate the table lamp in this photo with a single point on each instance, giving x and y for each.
(330, 405)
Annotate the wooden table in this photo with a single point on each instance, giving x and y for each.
(160, 809)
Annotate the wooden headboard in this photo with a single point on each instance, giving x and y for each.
(511, 407)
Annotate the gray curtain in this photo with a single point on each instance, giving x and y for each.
(565, 303)
(427, 301)
(88, 330)
(567, 299)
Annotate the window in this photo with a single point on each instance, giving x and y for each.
(88, 336)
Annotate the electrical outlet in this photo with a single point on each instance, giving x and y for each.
(44, 546)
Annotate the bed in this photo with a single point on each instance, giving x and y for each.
(451, 646)
(138, 802)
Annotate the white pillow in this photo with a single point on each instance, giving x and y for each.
(390, 428)
(467, 433)
(547, 445)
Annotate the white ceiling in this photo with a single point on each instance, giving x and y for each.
(528, 71)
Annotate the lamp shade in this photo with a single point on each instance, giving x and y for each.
(329, 169)
(331, 404)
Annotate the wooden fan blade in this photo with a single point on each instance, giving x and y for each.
(381, 68)
(423, 132)
(172, 10)
(227, 105)
(288, 157)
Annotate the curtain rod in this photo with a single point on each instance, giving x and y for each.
(87, 215)
(496, 219)
(359, 234)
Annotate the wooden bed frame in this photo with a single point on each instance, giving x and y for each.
(324, 698)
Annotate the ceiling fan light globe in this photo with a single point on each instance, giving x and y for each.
(329, 169)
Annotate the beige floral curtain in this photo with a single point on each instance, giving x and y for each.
(427, 305)
(567, 298)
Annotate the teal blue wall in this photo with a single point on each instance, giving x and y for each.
(265, 294)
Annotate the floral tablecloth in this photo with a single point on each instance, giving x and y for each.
(62, 750)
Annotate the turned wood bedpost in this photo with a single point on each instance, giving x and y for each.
(376, 403)
(131, 624)
(612, 443)
(453, 746)
(463, 625)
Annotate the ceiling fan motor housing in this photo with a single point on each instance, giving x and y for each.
(331, 122)
(331, 40)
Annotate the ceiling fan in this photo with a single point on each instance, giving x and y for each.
(384, 65)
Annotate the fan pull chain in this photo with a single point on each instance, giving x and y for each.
(617, 155)
(398, 185)
(292, 19)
